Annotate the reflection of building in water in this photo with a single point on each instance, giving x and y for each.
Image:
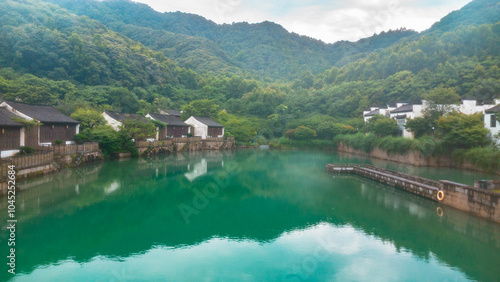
(112, 187)
(202, 167)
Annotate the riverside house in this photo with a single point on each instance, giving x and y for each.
(54, 125)
(403, 112)
(174, 127)
(491, 122)
(11, 133)
(174, 113)
(116, 119)
(205, 127)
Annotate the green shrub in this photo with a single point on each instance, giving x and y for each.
(304, 133)
(26, 150)
(358, 141)
(80, 138)
(486, 158)
(394, 145)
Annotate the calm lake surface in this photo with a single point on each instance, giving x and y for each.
(242, 216)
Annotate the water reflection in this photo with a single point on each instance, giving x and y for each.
(320, 252)
(265, 220)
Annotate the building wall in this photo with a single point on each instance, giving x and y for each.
(200, 129)
(215, 131)
(493, 129)
(51, 132)
(10, 138)
(177, 131)
(112, 122)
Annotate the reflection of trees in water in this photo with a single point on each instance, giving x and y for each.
(268, 193)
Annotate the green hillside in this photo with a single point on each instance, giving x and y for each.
(264, 48)
(124, 56)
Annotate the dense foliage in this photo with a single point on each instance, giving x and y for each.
(256, 79)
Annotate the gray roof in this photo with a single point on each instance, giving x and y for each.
(169, 119)
(469, 98)
(121, 117)
(372, 113)
(41, 113)
(6, 118)
(492, 110)
(208, 121)
(403, 109)
(173, 113)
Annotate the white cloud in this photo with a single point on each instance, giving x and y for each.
(329, 21)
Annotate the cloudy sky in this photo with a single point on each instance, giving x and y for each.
(328, 20)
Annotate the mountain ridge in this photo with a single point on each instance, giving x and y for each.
(264, 48)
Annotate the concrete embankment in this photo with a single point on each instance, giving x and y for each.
(473, 200)
(412, 158)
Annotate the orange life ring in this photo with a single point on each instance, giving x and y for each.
(440, 195)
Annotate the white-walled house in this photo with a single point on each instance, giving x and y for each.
(385, 111)
(11, 133)
(174, 127)
(405, 112)
(491, 123)
(116, 119)
(205, 127)
(54, 125)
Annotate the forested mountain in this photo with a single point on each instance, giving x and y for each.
(264, 48)
(475, 13)
(124, 56)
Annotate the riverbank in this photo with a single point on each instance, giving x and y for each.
(477, 159)
(479, 202)
(55, 158)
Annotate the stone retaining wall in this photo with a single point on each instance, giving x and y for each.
(480, 202)
(476, 201)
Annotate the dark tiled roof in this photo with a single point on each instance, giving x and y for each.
(372, 113)
(173, 113)
(169, 119)
(41, 113)
(403, 109)
(208, 121)
(6, 118)
(495, 109)
(400, 116)
(121, 117)
(469, 98)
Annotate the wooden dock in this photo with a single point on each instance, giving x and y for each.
(476, 201)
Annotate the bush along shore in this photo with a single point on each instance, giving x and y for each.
(425, 151)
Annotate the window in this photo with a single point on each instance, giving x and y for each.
(493, 121)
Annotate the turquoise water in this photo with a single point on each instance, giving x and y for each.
(242, 216)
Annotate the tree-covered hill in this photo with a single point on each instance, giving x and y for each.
(46, 41)
(124, 56)
(475, 13)
(264, 48)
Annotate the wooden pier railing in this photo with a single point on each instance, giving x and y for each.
(22, 162)
(67, 149)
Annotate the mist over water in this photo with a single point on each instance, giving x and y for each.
(243, 215)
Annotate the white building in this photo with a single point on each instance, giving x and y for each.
(11, 133)
(116, 119)
(405, 112)
(491, 123)
(385, 111)
(205, 127)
